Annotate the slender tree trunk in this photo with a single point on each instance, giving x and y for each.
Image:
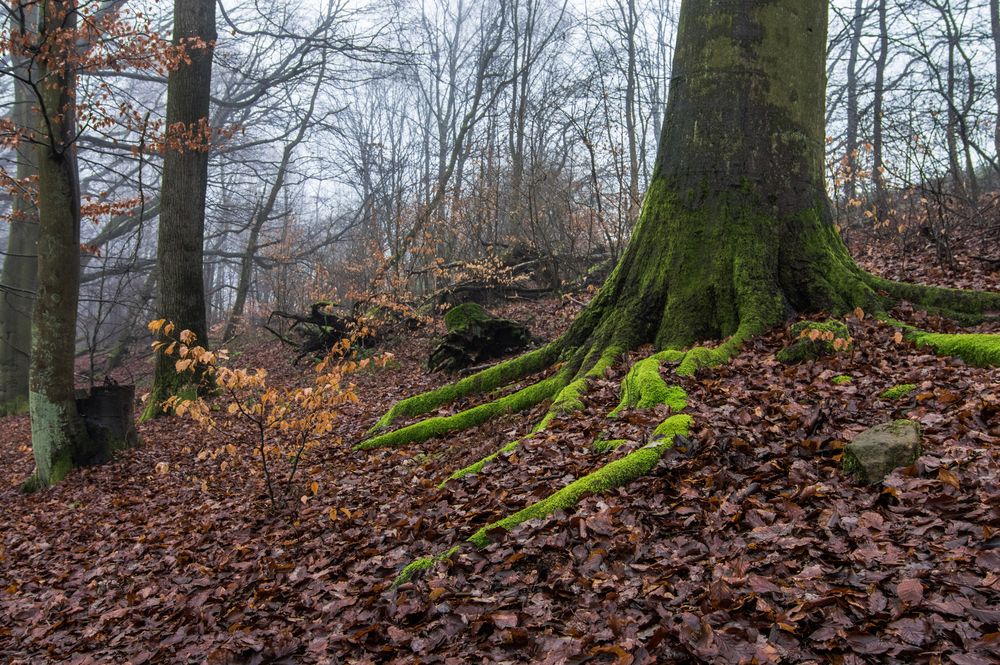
(857, 26)
(180, 248)
(57, 432)
(631, 24)
(878, 144)
(995, 29)
(19, 279)
(267, 209)
(952, 130)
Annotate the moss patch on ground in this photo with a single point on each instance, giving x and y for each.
(898, 392)
(842, 379)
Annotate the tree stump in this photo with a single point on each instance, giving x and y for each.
(474, 336)
(108, 416)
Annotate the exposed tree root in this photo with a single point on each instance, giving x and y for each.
(420, 565)
(737, 293)
(566, 401)
(612, 475)
(965, 307)
(644, 388)
(421, 431)
(980, 350)
(488, 379)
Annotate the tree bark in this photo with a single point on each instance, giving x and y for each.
(57, 430)
(19, 279)
(180, 248)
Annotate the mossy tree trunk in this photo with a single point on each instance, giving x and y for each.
(57, 430)
(180, 248)
(20, 270)
(735, 233)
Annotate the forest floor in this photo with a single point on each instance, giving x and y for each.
(753, 546)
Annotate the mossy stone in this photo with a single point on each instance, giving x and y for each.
(877, 451)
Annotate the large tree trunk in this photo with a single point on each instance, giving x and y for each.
(735, 232)
(20, 266)
(180, 251)
(57, 430)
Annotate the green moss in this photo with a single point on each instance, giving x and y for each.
(980, 350)
(967, 307)
(460, 316)
(567, 400)
(898, 392)
(489, 379)
(614, 474)
(804, 348)
(60, 468)
(673, 426)
(644, 388)
(701, 356)
(433, 427)
(420, 565)
(56, 432)
(476, 467)
(32, 484)
(607, 445)
(842, 379)
(166, 384)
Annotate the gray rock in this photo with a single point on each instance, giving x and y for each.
(877, 451)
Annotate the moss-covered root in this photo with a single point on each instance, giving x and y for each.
(428, 429)
(420, 565)
(690, 361)
(488, 379)
(567, 400)
(614, 474)
(644, 388)
(978, 349)
(964, 306)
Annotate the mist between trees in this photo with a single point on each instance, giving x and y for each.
(422, 145)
